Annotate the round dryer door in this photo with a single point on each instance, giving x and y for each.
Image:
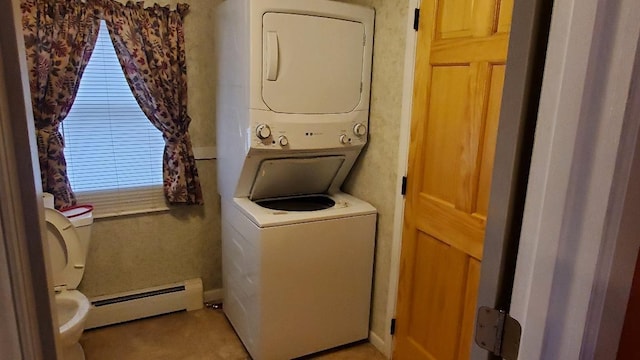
(65, 253)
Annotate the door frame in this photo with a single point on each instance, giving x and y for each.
(26, 299)
(568, 112)
(386, 347)
(585, 140)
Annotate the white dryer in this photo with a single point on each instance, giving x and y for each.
(292, 116)
(293, 79)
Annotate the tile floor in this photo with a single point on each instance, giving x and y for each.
(196, 335)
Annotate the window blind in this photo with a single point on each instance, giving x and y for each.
(113, 153)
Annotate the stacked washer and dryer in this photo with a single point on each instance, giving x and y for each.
(292, 116)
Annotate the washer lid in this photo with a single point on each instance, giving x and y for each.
(295, 176)
(65, 251)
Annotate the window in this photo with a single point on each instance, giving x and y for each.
(113, 152)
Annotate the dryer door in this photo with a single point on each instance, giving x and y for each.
(311, 64)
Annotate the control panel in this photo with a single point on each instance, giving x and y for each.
(297, 136)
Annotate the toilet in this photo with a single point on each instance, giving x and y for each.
(68, 234)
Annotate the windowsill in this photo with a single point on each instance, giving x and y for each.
(130, 212)
(204, 152)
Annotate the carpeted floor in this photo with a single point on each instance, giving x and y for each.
(196, 335)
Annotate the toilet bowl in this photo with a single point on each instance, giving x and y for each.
(68, 234)
(72, 308)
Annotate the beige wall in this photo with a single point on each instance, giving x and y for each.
(139, 251)
(135, 252)
(374, 176)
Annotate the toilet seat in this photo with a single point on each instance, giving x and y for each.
(62, 234)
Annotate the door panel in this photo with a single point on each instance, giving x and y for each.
(469, 316)
(450, 104)
(438, 322)
(504, 18)
(454, 19)
(490, 135)
(462, 48)
(440, 332)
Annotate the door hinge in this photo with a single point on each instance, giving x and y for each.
(498, 333)
(403, 188)
(416, 19)
(392, 329)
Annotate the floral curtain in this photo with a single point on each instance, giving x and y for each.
(59, 38)
(149, 43)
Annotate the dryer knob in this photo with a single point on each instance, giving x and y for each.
(344, 139)
(359, 129)
(283, 141)
(263, 131)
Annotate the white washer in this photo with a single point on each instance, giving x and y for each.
(298, 282)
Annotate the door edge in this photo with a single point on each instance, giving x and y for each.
(403, 158)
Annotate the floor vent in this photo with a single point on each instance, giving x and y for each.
(117, 308)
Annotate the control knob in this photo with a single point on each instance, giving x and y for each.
(344, 139)
(283, 141)
(359, 129)
(263, 131)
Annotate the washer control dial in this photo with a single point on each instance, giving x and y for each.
(263, 131)
(359, 129)
(283, 141)
(344, 139)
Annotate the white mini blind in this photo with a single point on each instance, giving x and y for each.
(113, 152)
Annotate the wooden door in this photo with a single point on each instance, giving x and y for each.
(460, 66)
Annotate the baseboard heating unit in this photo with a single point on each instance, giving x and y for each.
(117, 308)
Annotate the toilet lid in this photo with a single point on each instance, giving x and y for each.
(65, 251)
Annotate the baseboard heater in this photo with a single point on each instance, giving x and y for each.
(122, 307)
